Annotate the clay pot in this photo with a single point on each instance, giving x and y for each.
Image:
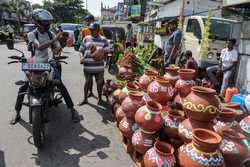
(187, 126)
(184, 84)
(125, 72)
(202, 104)
(131, 86)
(226, 119)
(172, 74)
(239, 110)
(245, 126)
(142, 141)
(161, 90)
(171, 123)
(132, 103)
(119, 114)
(202, 151)
(162, 154)
(147, 78)
(126, 127)
(148, 117)
(178, 100)
(235, 148)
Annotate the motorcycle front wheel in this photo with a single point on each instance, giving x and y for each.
(37, 126)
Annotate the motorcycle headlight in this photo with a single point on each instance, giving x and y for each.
(210, 55)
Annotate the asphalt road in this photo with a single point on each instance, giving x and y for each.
(94, 142)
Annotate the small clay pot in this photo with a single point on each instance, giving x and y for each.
(245, 126)
(178, 100)
(171, 123)
(148, 117)
(202, 104)
(202, 151)
(161, 90)
(132, 103)
(184, 84)
(131, 86)
(126, 127)
(235, 147)
(147, 78)
(240, 112)
(119, 114)
(172, 74)
(142, 141)
(162, 154)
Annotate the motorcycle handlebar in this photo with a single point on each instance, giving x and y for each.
(12, 62)
(63, 62)
(15, 57)
(61, 57)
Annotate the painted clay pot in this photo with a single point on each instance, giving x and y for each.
(125, 72)
(184, 84)
(245, 126)
(202, 104)
(162, 154)
(240, 112)
(172, 74)
(226, 120)
(149, 118)
(131, 86)
(142, 141)
(187, 126)
(119, 114)
(235, 148)
(132, 103)
(171, 123)
(203, 151)
(147, 78)
(161, 90)
(126, 127)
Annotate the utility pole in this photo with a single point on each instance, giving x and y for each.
(86, 4)
(181, 19)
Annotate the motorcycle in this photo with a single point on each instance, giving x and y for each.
(42, 93)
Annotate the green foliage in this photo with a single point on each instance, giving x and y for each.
(66, 10)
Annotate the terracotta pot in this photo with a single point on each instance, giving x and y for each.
(172, 74)
(126, 127)
(131, 86)
(240, 112)
(184, 84)
(119, 114)
(178, 100)
(125, 72)
(171, 123)
(162, 154)
(202, 104)
(226, 119)
(161, 90)
(187, 126)
(148, 117)
(147, 78)
(245, 126)
(235, 148)
(132, 103)
(142, 141)
(202, 151)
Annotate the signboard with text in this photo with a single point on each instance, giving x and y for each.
(135, 10)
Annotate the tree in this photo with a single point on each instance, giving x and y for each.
(3, 7)
(37, 6)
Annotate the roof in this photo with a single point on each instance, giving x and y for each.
(218, 18)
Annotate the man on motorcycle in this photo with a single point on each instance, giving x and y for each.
(39, 41)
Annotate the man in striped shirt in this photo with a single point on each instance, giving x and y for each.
(91, 66)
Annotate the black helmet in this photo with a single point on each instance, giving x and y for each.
(42, 17)
(89, 17)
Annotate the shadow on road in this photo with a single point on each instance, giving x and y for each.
(67, 142)
(2, 161)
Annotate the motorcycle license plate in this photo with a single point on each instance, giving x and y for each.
(36, 67)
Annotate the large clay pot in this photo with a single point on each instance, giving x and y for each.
(184, 84)
(245, 126)
(187, 126)
(142, 141)
(148, 117)
(131, 86)
(235, 148)
(161, 90)
(203, 151)
(226, 119)
(126, 127)
(202, 104)
(132, 103)
(172, 74)
(119, 114)
(171, 123)
(162, 154)
(147, 78)
(240, 112)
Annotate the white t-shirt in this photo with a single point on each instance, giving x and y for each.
(228, 57)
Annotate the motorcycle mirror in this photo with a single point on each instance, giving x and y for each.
(10, 44)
